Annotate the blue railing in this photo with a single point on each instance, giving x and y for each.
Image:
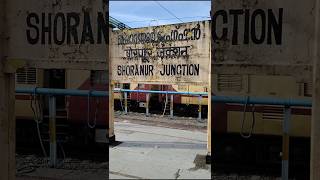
(163, 92)
(262, 100)
(221, 99)
(62, 92)
(216, 99)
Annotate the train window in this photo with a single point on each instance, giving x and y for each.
(230, 82)
(126, 86)
(307, 89)
(117, 85)
(26, 76)
(183, 88)
(99, 77)
(140, 86)
(273, 113)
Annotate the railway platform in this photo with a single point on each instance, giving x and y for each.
(153, 152)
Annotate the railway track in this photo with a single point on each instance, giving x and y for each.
(94, 152)
(76, 163)
(221, 171)
(246, 171)
(37, 167)
(258, 155)
(28, 142)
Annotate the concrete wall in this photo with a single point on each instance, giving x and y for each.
(58, 34)
(263, 37)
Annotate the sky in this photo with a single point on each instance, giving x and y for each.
(150, 13)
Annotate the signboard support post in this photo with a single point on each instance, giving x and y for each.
(147, 104)
(166, 103)
(125, 103)
(208, 159)
(52, 129)
(199, 111)
(171, 106)
(7, 125)
(315, 123)
(7, 104)
(285, 144)
(111, 135)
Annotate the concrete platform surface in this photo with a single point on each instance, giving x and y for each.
(149, 152)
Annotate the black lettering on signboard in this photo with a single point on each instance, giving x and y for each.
(30, 38)
(214, 25)
(259, 26)
(159, 37)
(135, 70)
(87, 34)
(246, 26)
(275, 26)
(150, 70)
(60, 28)
(119, 70)
(73, 21)
(255, 39)
(102, 28)
(56, 29)
(46, 29)
(235, 14)
(180, 70)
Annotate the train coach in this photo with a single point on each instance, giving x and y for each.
(251, 135)
(183, 105)
(80, 120)
(262, 53)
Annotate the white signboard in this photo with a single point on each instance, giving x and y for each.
(58, 34)
(169, 54)
(263, 36)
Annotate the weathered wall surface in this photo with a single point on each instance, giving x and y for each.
(170, 54)
(58, 34)
(263, 37)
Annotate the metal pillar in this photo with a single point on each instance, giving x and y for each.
(147, 104)
(315, 121)
(171, 106)
(285, 144)
(52, 131)
(125, 102)
(166, 105)
(209, 125)
(199, 111)
(7, 126)
(7, 103)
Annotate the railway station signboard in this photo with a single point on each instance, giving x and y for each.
(58, 34)
(273, 37)
(168, 54)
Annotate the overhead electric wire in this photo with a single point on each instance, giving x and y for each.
(168, 11)
(191, 17)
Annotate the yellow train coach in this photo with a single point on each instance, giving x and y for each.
(183, 104)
